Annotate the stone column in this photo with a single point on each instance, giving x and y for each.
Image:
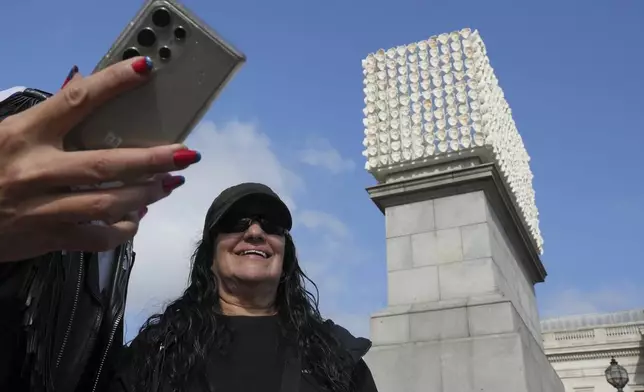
(463, 243)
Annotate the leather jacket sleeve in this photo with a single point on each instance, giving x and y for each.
(12, 277)
(88, 331)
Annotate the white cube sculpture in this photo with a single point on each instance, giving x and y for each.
(437, 100)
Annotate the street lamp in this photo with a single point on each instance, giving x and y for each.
(616, 375)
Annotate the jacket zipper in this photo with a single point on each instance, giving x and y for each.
(107, 350)
(115, 326)
(71, 317)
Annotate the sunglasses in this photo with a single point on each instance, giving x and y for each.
(231, 226)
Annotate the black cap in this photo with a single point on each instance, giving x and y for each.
(272, 207)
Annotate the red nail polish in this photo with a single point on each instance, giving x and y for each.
(143, 65)
(142, 212)
(173, 182)
(185, 158)
(70, 75)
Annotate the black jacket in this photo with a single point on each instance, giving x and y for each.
(294, 379)
(58, 331)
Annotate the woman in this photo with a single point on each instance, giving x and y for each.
(246, 322)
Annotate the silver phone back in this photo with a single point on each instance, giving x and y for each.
(181, 89)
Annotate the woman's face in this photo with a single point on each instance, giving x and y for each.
(250, 257)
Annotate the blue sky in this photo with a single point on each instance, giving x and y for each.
(571, 72)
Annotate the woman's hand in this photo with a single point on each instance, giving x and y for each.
(39, 212)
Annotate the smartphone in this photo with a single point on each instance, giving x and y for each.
(192, 64)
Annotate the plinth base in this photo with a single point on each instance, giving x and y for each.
(461, 313)
(482, 346)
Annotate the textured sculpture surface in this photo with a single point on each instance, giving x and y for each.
(438, 100)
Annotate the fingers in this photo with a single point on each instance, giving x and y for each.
(57, 115)
(107, 205)
(120, 164)
(72, 73)
(94, 237)
(20, 245)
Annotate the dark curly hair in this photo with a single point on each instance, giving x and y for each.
(172, 347)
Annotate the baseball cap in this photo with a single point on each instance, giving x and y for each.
(266, 203)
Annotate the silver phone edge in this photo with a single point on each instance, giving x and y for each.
(209, 30)
(202, 112)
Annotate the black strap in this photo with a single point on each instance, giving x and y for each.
(292, 373)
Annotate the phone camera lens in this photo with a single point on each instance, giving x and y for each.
(146, 37)
(180, 33)
(165, 53)
(161, 17)
(130, 52)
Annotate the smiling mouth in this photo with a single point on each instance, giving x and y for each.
(253, 252)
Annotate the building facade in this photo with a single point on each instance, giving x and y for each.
(580, 349)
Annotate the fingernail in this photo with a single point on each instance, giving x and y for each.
(70, 75)
(185, 158)
(142, 212)
(143, 65)
(173, 182)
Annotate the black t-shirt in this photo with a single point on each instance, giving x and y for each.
(254, 359)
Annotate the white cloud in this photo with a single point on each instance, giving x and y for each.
(319, 220)
(569, 302)
(319, 152)
(234, 153)
(573, 301)
(337, 286)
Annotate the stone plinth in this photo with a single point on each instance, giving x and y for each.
(462, 266)
(463, 236)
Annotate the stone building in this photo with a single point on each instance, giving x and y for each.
(580, 348)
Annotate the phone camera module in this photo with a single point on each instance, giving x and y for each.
(180, 33)
(130, 53)
(146, 37)
(161, 17)
(165, 53)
